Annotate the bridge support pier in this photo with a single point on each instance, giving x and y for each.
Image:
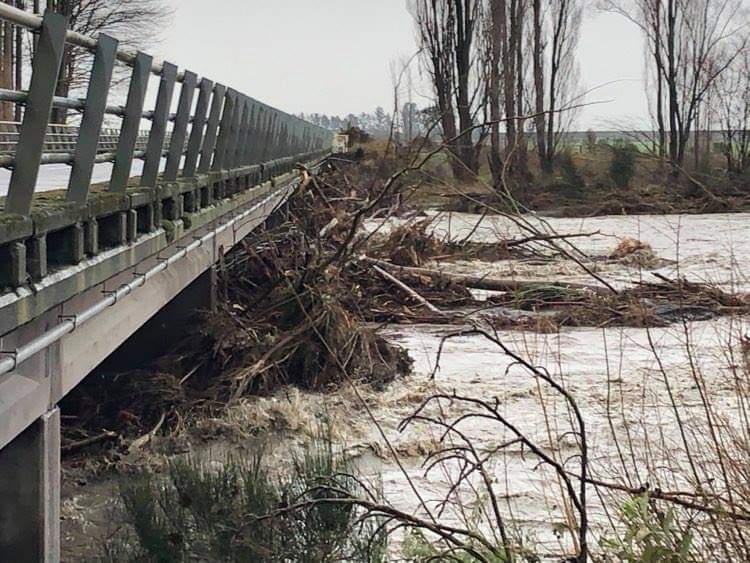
(30, 493)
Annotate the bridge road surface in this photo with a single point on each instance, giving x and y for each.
(55, 176)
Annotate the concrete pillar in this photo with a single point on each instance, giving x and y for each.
(36, 257)
(30, 493)
(113, 230)
(13, 264)
(76, 243)
(91, 237)
(132, 225)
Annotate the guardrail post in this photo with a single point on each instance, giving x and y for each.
(247, 150)
(239, 134)
(212, 127)
(244, 143)
(233, 184)
(179, 132)
(196, 133)
(44, 72)
(131, 123)
(30, 491)
(257, 136)
(299, 140)
(155, 146)
(93, 115)
(275, 137)
(270, 127)
(283, 144)
(285, 139)
(263, 136)
(225, 132)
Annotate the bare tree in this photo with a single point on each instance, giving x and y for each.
(11, 62)
(136, 23)
(447, 32)
(496, 31)
(732, 91)
(566, 25)
(505, 56)
(691, 43)
(555, 32)
(544, 34)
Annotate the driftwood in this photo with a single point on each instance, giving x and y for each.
(480, 282)
(409, 291)
(546, 238)
(74, 446)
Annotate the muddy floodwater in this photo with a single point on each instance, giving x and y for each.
(626, 382)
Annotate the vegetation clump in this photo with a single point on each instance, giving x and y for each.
(244, 510)
(622, 165)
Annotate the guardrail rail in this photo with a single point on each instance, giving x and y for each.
(219, 144)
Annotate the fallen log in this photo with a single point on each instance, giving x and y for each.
(546, 238)
(74, 446)
(409, 291)
(482, 282)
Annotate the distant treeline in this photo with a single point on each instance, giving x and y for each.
(415, 122)
(412, 122)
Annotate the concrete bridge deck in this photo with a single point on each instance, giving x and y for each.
(83, 268)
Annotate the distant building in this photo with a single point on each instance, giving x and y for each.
(340, 143)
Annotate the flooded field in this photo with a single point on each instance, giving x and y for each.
(650, 398)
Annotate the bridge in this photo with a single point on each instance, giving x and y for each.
(84, 267)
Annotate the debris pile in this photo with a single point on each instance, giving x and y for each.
(300, 301)
(413, 244)
(635, 253)
(284, 316)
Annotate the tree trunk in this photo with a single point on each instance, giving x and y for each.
(522, 164)
(558, 35)
(497, 14)
(6, 67)
(509, 73)
(464, 37)
(18, 63)
(674, 110)
(659, 79)
(538, 55)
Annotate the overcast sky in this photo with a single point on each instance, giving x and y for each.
(333, 56)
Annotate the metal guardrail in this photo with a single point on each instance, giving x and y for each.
(229, 129)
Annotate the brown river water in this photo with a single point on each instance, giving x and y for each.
(616, 375)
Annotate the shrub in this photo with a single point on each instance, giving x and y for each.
(571, 176)
(239, 510)
(591, 140)
(622, 165)
(650, 536)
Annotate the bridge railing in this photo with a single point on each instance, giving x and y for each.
(218, 141)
